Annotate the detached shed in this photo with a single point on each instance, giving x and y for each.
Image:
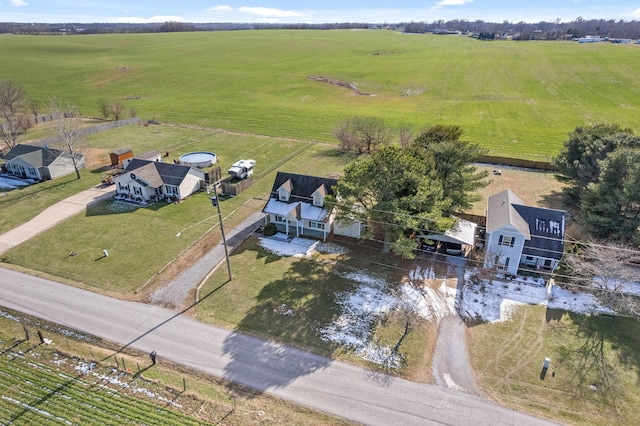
(117, 157)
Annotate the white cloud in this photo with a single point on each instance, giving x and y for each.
(269, 12)
(453, 2)
(18, 3)
(221, 8)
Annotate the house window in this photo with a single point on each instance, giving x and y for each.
(506, 240)
(32, 171)
(318, 200)
(316, 225)
(278, 218)
(172, 190)
(283, 196)
(502, 265)
(137, 190)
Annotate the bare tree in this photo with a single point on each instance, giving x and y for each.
(68, 132)
(104, 108)
(405, 136)
(14, 122)
(34, 107)
(611, 273)
(362, 134)
(116, 109)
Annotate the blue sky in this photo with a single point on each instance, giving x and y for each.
(312, 11)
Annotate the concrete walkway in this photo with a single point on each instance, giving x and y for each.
(55, 214)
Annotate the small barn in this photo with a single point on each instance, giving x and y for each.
(117, 157)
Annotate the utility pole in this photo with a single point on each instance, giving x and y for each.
(216, 203)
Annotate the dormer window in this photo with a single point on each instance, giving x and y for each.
(284, 192)
(318, 196)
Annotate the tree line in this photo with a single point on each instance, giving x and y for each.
(554, 30)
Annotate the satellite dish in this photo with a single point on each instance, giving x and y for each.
(133, 176)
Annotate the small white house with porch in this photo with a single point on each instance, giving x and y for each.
(145, 180)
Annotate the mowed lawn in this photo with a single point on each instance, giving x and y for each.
(292, 299)
(142, 241)
(517, 99)
(593, 375)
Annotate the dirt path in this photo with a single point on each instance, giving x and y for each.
(450, 365)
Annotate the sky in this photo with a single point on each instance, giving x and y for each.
(313, 11)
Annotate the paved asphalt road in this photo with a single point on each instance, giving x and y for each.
(311, 380)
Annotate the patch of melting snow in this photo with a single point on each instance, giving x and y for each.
(495, 300)
(297, 247)
(115, 379)
(331, 248)
(27, 406)
(419, 274)
(362, 309)
(9, 316)
(8, 182)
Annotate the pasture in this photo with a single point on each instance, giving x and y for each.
(518, 99)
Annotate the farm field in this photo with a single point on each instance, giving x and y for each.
(517, 99)
(79, 379)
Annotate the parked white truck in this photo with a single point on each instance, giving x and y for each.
(242, 169)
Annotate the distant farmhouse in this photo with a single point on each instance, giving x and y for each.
(297, 207)
(146, 180)
(40, 163)
(520, 235)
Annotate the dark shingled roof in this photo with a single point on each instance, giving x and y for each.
(303, 186)
(542, 228)
(37, 156)
(547, 231)
(158, 173)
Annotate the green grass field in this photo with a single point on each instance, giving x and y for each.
(593, 377)
(517, 99)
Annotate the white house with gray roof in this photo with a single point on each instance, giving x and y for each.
(145, 180)
(520, 236)
(40, 162)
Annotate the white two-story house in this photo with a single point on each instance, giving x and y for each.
(297, 205)
(520, 236)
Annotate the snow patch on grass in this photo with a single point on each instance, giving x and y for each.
(297, 247)
(495, 300)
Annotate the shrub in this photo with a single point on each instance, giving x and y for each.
(269, 229)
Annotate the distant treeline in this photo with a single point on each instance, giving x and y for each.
(556, 30)
(170, 26)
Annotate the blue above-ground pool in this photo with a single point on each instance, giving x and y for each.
(200, 159)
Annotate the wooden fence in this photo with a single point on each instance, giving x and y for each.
(518, 162)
